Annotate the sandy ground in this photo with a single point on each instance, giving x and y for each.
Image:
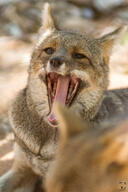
(6, 155)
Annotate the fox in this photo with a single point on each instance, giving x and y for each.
(89, 159)
(67, 67)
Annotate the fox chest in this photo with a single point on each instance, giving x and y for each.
(41, 162)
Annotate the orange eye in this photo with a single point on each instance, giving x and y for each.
(49, 50)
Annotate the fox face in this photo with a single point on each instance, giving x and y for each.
(70, 68)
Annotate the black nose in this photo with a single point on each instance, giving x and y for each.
(56, 62)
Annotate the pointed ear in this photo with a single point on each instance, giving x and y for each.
(107, 42)
(116, 143)
(48, 18)
(121, 135)
(69, 124)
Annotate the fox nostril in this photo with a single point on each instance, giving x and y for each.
(56, 62)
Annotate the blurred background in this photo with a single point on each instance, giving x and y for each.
(20, 21)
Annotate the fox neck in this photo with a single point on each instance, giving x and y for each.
(37, 92)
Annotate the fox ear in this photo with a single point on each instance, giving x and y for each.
(107, 42)
(48, 18)
(69, 123)
(121, 137)
(116, 143)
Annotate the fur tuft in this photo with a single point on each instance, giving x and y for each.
(70, 124)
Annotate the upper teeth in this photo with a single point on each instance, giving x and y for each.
(54, 88)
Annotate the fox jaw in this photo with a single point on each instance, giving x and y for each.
(70, 68)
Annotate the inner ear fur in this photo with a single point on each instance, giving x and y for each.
(108, 41)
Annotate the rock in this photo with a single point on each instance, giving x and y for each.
(104, 5)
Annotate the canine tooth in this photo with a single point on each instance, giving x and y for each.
(75, 88)
(54, 88)
(70, 91)
(49, 90)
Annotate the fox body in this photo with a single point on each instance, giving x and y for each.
(95, 159)
(66, 67)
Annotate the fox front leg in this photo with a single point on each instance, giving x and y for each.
(16, 181)
(20, 178)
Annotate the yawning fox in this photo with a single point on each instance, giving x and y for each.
(67, 67)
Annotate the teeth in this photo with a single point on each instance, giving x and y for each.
(70, 91)
(54, 88)
(52, 79)
(49, 90)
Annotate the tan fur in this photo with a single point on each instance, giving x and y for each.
(89, 159)
(29, 111)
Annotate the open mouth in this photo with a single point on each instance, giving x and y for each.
(61, 89)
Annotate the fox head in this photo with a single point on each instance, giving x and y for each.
(70, 68)
(89, 159)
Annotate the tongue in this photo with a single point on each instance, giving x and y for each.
(60, 96)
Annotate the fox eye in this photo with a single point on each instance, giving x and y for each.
(49, 50)
(79, 56)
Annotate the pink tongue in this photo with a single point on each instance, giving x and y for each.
(61, 95)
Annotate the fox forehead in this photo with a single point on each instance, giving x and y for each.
(69, 40)
(73, 35)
